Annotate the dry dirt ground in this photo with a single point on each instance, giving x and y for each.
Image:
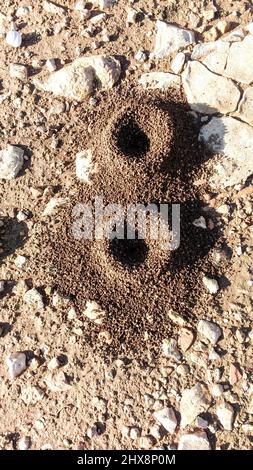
(98, 404)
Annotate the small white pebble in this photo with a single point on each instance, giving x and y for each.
(13, 38)
(211, 284)
(16, 363)
(51, 65)
(24, 443)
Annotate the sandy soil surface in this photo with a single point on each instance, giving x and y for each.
(84, 400)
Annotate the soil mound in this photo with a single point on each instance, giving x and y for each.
(146, 151)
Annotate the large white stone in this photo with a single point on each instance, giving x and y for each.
(194, 401)
(171, 38)
(212, 54)
(233, 139)
(245, 109)
(159, 80)
(239, 63)
(78, 80)
(207, 92)
(194, 441)
(11, 162)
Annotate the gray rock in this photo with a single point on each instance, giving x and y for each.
(194, 401)
(171, 38)
(225, 413)
(16, 363)
(170, 349)
(85, 166)
(245, 110)
(239, 66)
(11, 162)
(233, 139)
(210, 330)
(194, 441)
(167, 418)
(207, 92)
(159, 80)
(211, 285)
(34, 299)
(178, 62)
(78, 80)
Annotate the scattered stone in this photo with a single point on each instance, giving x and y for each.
(146, 442)
(170, 349)
(170, 39)
(22, 11)
(51, 65)
(250, 407)
(178, 62)
(217, 390)
(85, 166)
(234, 140)
(167, 418)
(200, 222)
(245, 110)
(78, 80)
(211, 285)
(22, 215)
(159, 80)
(125, 430)
(98, 18)
(18, 71)
(223, 26)
(92, 431)
(185, 339)
(225, 413)
(239, 61)
(141, 56)
(2, 286)
(11, 162)
(209, 93)
(13, 38)
(224, 209)
(131, 16)
(134, 433)
(52, 8)
(201, 423)
(194, 401)
(183, 369)
(94, 312)
(106, 3)
(24, 443)
(34, 298)
(53, 205)
(54, 363)
(194, 441)
(210, 330)
(20, 261)
(57, 382)
(234, 374)
(16, 363)
(31, 395)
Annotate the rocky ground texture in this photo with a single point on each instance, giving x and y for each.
(55, 58)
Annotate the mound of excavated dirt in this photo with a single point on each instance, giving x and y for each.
(145, 151)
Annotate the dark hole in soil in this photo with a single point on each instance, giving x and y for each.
(130, 253)
(131, 139)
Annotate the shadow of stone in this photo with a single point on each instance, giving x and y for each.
(14, 236)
